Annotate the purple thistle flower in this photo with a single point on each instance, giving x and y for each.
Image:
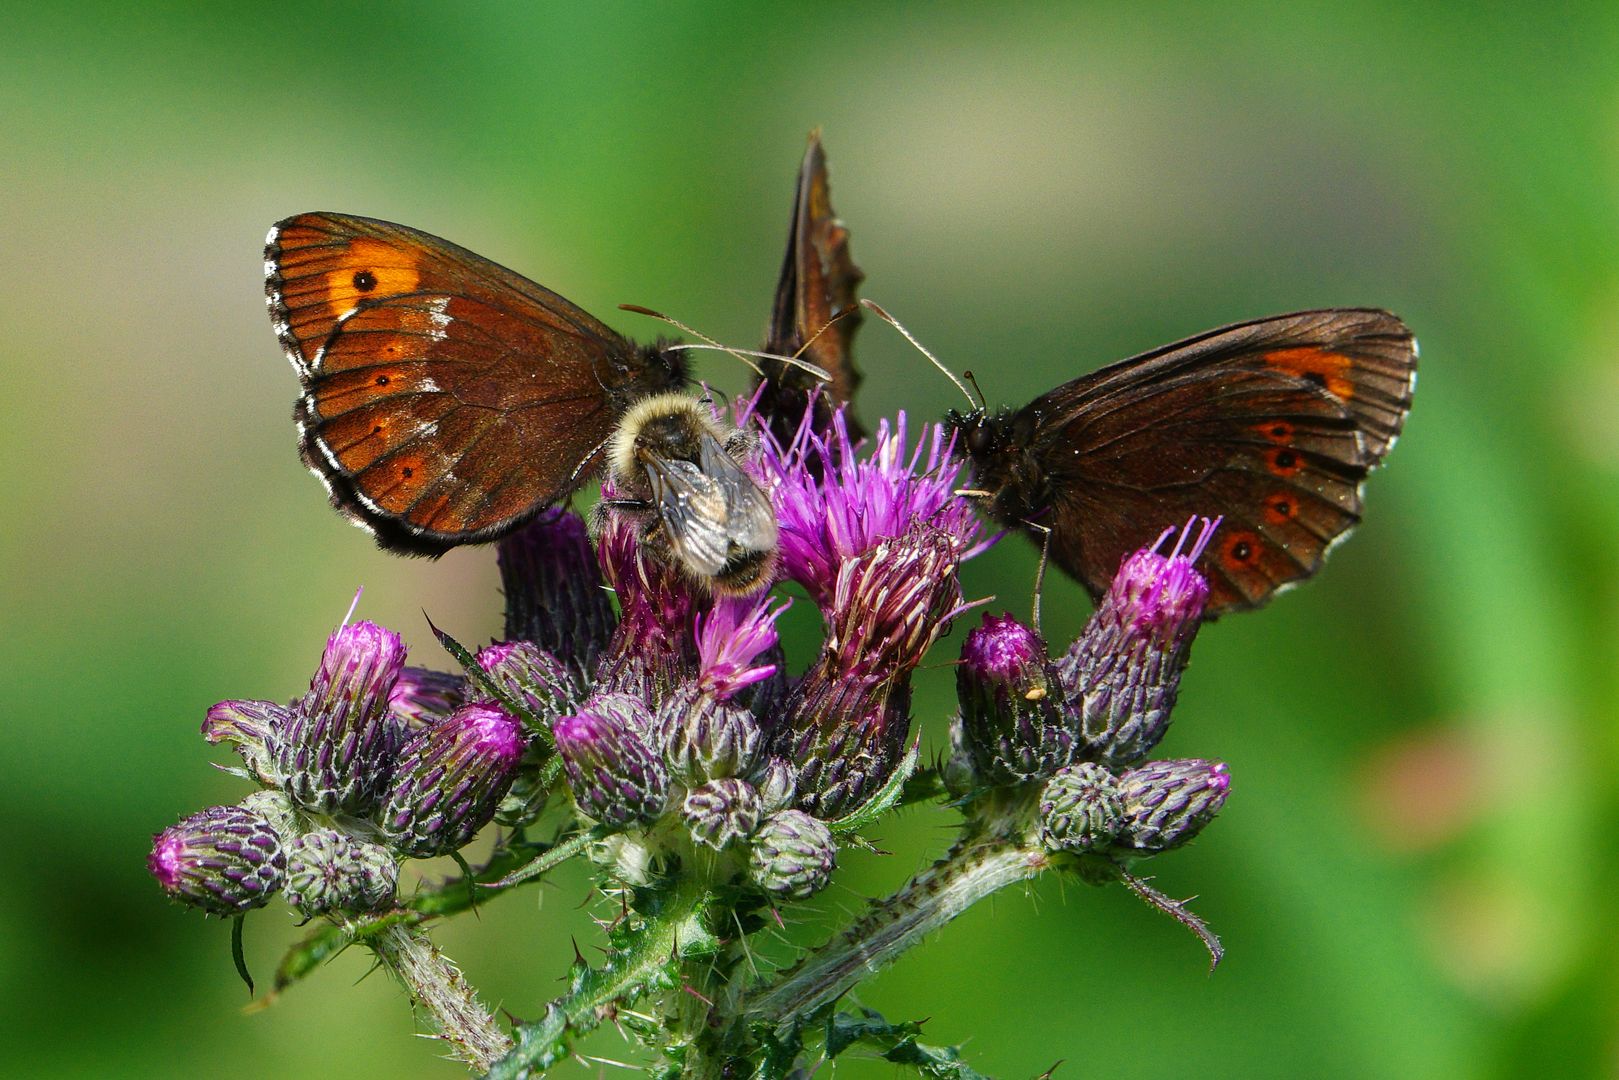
(553, 586)
(533, 676)
(847, 719)
(1166, 803)
(224, 860)
(1122, 675)
(653, 648)
(423, 696)
(615, 777)
(730, 637)
(1011, 710)
(833, 507)
(336, 750)
(449, 779)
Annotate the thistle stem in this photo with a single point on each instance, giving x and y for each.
(437, 984)
(973, 869)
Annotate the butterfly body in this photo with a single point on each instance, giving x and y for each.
(1272, 424)
(446, 399)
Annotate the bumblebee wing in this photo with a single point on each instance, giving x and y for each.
(692, 508)
(750, 519)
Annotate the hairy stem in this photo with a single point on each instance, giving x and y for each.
(973, 869)
(437, 984)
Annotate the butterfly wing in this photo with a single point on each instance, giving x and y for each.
(1272, 424)
(446, 399)
(818, 283)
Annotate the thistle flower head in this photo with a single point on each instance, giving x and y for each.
(1157, 595)
(1122, 676)
(731, 636)
(1166, 803)
(449, 780)
(615, 776)
(705, 738)
(793, 856)
(833, 507)
(722, 812)
(1081, 808)
(1011, 703)
(536, 678)
(224, 860)
(553, 587)
(847, 719)
(337, 748)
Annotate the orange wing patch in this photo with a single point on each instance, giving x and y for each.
(1327, 369)
(370, 268)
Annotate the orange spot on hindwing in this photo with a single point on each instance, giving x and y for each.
(1281, 507)
(1283, 461)
(1328, 370)
(1240, 550)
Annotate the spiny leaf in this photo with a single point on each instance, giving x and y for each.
(885, 799)
(236, 953)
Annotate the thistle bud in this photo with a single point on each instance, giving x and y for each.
(793, 855)
(721, 812)
(224, 860)
(704, 738)
(337, 748)
(777, 782)
(1010, 703)
(554, 594)
(1081, 808)
(331, 871)
(422, 696)
(1123, 674)
(535, 677)
(615, 777)
(1166, 803)
(450, 778)
(254, 727)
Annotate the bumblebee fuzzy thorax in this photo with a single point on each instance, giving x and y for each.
(669, 426)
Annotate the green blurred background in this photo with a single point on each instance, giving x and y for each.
(1416, 874)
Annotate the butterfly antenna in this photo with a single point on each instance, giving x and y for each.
(983, 403)
(740, 354)
(877, 309)
(833, 321)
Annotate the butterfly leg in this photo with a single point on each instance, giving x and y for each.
(1040, 574)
